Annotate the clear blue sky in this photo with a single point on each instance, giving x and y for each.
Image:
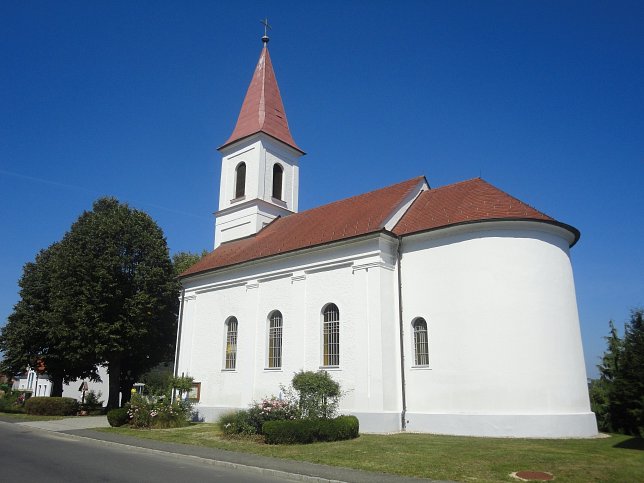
(544, 99)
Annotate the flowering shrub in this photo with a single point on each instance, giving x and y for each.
(146, 412)
(303, 413)
(249, 421)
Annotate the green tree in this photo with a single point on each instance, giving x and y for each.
(182, 261)
(158, 381)
(117, 283)
(319, 394)
(38, 335)
(617, 398)
(598, 392)
(609, 367)
(627, 392)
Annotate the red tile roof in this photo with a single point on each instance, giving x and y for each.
(343, 219)
(262, 109)
(467, 201)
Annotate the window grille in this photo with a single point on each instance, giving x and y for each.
(331, 336)
(421, 346)
(275, 340)
(240, 180)
(231, 343)
(278, 173)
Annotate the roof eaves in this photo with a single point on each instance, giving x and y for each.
(236, 140)
(285, 253)
(574, 231)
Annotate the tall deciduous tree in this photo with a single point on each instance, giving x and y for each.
(38, 335)
(116, 281)
(184, 260)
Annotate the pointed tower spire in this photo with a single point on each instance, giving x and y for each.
(263, 110)
(260, 160)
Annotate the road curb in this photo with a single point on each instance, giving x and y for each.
(283, 469)
(224, 464)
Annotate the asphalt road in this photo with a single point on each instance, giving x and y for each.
(35, 455)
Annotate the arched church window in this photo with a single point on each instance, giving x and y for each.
(331, 335)
(240, 180)
(421, 345)
(278, 174)
(275, 339)
(231, 343)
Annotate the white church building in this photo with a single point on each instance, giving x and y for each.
(444, 310)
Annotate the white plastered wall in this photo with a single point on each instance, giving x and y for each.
(504, 340)
(240, 217)
(499, 300)
(357, 276)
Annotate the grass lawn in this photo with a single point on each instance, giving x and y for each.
(617, 458)
(25, 417)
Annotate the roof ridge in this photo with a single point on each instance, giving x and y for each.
(521, 201)
(455, 183)
(356, 196)
(464, 202)
(478, 178)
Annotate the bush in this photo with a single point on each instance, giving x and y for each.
(51, 406)
(145, 412)
(304, 431)
(8, 405)
(250, 421)
(13, 401)
(319, 394)
(117, 417)
(93, 405)
(300, 431)
(238, 422)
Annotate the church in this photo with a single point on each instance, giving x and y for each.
(446, 310)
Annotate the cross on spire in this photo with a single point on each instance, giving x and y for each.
(266, 27)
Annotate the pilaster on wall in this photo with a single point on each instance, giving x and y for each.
(256, 330)
(377, 326)
(184, 362)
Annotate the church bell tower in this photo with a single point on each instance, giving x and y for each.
(259, 166)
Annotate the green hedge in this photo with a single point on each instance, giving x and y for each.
(304, 431)
(52, 406)
(118, 417)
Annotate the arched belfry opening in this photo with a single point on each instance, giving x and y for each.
(240, 180)
(278, 174)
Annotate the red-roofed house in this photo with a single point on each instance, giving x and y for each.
(448, 310)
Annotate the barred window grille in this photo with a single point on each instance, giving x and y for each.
(331, 336)
(421, 346)
(275, 340)
(231, 343)
(240, 180)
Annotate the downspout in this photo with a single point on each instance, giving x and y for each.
(179, 327)
(403, 414)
